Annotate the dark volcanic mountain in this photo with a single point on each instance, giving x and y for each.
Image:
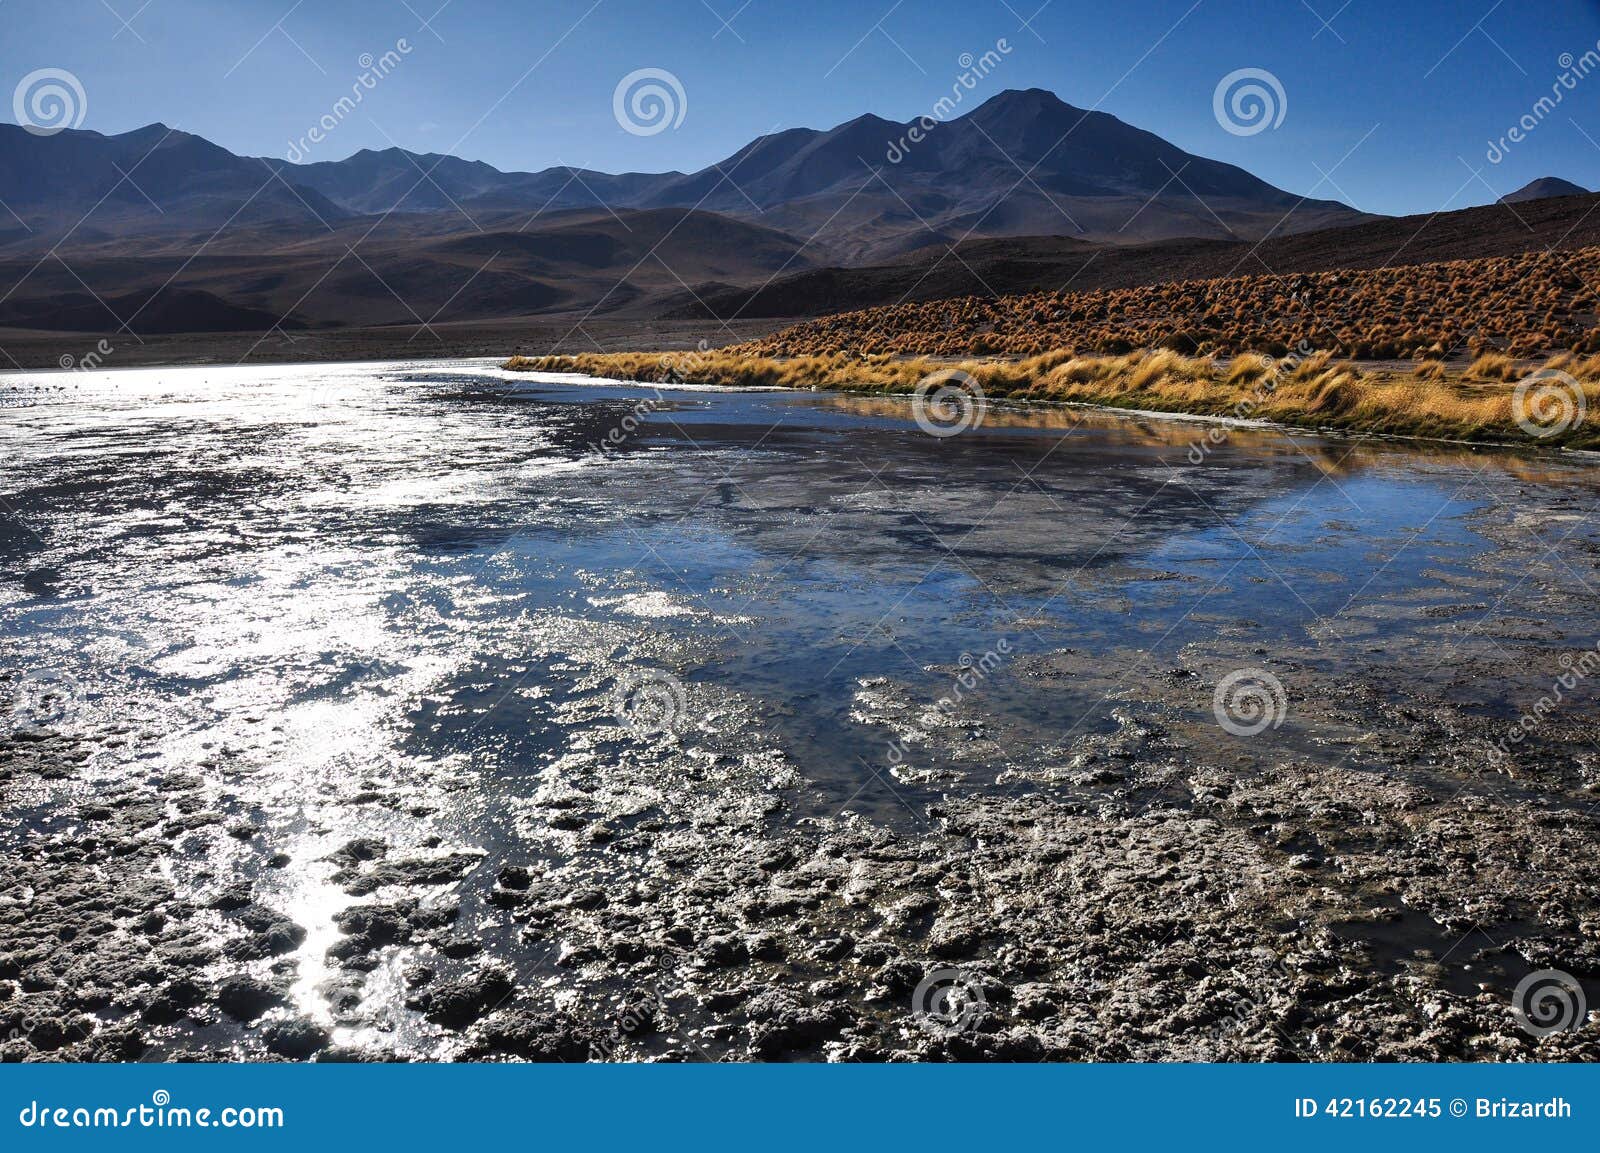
(154, 179)
(1545, 188)
(163, 230)
(1024, 163)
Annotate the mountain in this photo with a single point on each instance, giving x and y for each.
(171, 230)
(1022, 163)
(1544, 188)
(154, 179)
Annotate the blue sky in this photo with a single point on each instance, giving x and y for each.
(1390, 105)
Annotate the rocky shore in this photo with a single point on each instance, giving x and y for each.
(1145, 894)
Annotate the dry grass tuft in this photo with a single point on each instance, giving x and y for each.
(1251, 368)
(1493, 366)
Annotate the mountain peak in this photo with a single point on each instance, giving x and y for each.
(152, 133)
(868, 120)
(1026, 101)
(1544, 188)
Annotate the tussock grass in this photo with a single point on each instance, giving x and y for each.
(1251, 368)
(1493, 366)
(1315, 391)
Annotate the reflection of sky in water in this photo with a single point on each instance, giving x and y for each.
(337, 546)
(315, 581)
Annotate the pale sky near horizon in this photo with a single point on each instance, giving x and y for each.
(1390, 107)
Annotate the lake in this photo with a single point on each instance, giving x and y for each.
(451, 712)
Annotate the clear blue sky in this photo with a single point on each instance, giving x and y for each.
(1438, 78)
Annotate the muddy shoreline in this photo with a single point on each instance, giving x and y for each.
(1142, 901)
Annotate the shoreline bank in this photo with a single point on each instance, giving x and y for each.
(1492, 402)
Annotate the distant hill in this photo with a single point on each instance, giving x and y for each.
(1053, 263)
(1545, 188)
(360, 272)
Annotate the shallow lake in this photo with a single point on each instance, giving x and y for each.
(448, 586)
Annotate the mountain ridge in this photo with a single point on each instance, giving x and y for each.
(1023, 162)
(193, 237)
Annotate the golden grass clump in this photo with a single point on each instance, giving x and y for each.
(1493, 366)
(1157, 366)
(1251, 368)
(1586, 370)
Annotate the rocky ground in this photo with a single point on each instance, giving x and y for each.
(1150, 893)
